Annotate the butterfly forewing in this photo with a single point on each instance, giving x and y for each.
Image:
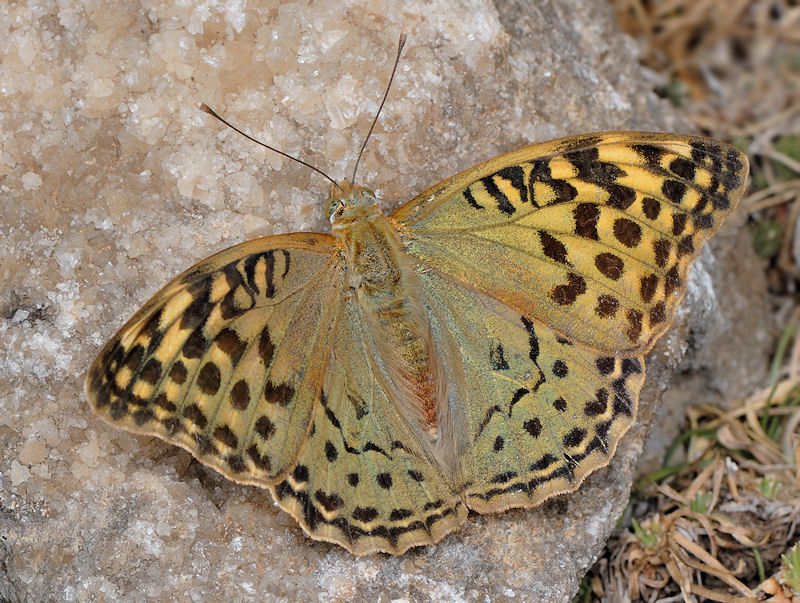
(592, 235)
(226, 361)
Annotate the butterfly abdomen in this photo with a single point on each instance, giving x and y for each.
(386, 289)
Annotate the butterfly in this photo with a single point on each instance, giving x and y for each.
(481, 348)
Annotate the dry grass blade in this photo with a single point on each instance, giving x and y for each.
(776, 194)
(706, 563)
(734, 507)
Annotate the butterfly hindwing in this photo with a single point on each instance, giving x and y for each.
(362, 479)
(592, 235)
(538, 413)
(226, 360)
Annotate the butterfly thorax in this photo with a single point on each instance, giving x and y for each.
(385, 289)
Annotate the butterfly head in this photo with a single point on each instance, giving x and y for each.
(347, 199)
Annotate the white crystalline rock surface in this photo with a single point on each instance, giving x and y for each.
(112, 182)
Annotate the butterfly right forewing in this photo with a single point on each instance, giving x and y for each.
(547, 274)
(591, 235)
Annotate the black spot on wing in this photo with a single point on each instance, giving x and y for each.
(269, 274)
(151, 372)
(300, 473)
(197, 311)
(553, 248)
(365, 514)
(516, 176)
(650, 153)
(566, 295)
(209, 379)
(503, 204)
(471, 199)
(609, 265)
(683, 168)
(533, 340)
(651, 208)
(522, 391)
(286, 259)
(234, 303)
(280, 393)
(620, 197)
(497, 358)
(673, 190)
(231, 344)
(586, 217)
(590, 169)
(329, 502)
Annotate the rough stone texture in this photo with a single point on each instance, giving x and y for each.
(112, 182)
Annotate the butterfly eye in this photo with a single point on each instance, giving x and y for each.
(334, 209)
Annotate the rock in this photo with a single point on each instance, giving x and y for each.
(113, 183)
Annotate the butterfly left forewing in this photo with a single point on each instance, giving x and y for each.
(226, 361)
(591, 235)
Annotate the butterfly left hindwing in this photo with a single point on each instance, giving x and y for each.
(363, 480)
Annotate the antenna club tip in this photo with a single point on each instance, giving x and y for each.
(203, 107)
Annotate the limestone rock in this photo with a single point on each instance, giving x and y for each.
(112, 183)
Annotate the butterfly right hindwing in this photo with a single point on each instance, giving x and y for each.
(538, 414)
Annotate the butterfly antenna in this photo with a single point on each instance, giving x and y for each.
(205, 108)
(400, 44)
